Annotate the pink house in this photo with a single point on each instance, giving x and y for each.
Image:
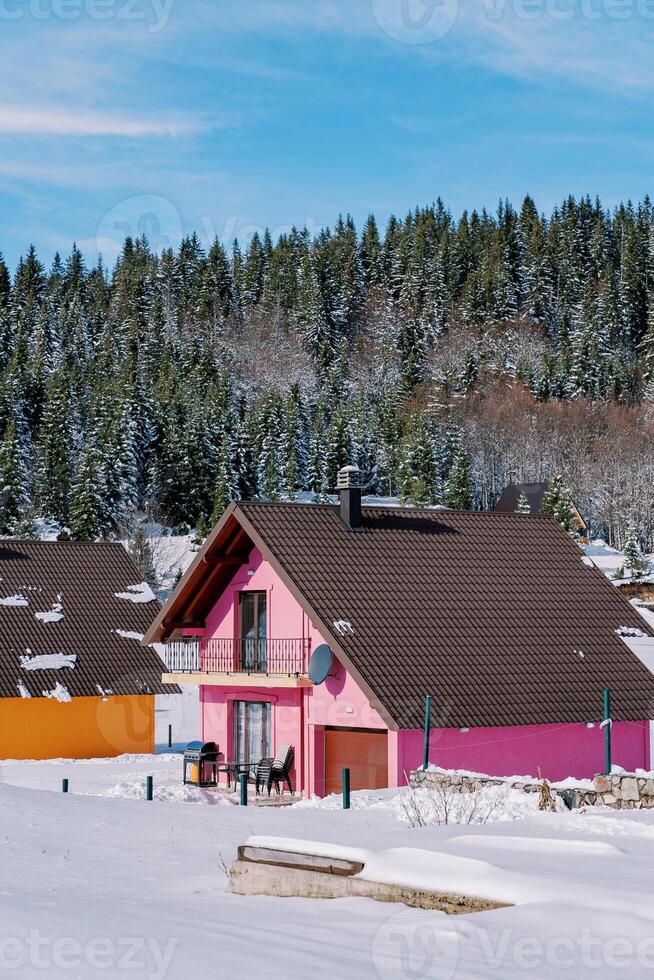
(324, 627)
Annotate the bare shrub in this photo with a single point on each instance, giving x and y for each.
(434, 803)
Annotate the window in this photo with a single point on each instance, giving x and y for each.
(253, 623)
(252, 730)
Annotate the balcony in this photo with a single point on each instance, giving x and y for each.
(278, 662)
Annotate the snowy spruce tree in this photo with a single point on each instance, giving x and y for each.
(635, 563)
(523, 505)
(557, 503)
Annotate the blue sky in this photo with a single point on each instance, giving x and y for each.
(221, 116)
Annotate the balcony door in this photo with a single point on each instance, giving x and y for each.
(252, 730)
(253, 626)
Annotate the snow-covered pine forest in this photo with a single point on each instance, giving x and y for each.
(446, 356)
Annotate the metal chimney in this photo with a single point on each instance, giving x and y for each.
(348, 485)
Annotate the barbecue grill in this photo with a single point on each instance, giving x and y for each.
(202, 758)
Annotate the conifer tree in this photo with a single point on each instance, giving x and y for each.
(89, 519)
(634, 561)
(458, 488)
(523, 507)
(54, 453)
(140, 548)
(13, 479)
(224, 491)
(557, 503)
(418, 474)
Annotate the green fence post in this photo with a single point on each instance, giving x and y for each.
(608, 764)
(64, 785)
(149, 788)
(346, 789)
(243, 781)
(425, 752)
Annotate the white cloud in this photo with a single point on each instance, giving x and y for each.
(580, 41)
(606, 53)
(50, 121)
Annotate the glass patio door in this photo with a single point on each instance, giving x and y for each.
(252, 730)
(253, 631)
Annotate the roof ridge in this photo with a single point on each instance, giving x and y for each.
(408, 510)
(67, 542)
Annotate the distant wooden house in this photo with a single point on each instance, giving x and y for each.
(75, 680)
(534, 493)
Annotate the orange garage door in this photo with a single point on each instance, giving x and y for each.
(364, 753)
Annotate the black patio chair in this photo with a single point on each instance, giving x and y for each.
(274, 772)
(262, 772)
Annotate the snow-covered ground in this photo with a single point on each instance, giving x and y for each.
(609, 560)
(109, 886)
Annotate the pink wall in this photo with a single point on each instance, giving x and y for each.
(299, 715)
(285, 715)
(557, 750)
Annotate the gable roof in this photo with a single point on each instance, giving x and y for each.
(36, 577)
(486, 612)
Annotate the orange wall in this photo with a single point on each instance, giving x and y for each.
(84, 728)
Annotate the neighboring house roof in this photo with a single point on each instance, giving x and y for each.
(486, 612)
(535, 495)
(59, 603)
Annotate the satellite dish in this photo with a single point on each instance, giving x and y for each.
(320, 664)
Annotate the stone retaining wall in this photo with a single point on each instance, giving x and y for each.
(621, 791)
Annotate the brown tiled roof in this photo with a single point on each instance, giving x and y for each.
(485, 612)
(87, 577)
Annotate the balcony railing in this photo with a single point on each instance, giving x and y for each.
(234, 656)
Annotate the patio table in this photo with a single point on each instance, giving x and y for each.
(235, 769)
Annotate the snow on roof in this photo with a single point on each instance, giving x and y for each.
(129, 635)
(59, 693)
(49, 661)
(630, 631)
(67, 591)
(54, 614)
(22, 690)
(137, 593)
